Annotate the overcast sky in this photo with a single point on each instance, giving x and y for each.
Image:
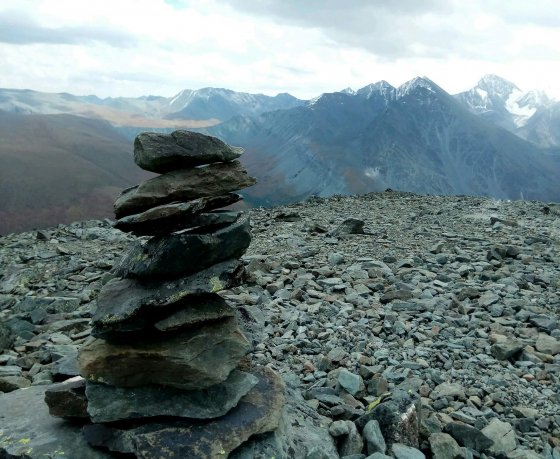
(305, 47)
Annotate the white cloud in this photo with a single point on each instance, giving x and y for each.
(135, 47)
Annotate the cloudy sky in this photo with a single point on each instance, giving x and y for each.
(305, 47)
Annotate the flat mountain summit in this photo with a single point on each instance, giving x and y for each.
(361, 303)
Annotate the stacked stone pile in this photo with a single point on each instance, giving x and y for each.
(161, 371)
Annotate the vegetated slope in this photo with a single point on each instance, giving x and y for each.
(60, 168)
(414, 138)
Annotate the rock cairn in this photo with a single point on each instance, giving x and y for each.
(161, 372)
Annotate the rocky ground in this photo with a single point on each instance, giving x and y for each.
(451, 300)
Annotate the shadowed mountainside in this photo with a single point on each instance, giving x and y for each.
(60, 168)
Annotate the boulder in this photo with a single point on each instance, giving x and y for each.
(110, 403)
(256, 413)
(29, 432)
(468, 436)
(184, 253)
(398, 418)
(503, 436)
(180, 150)
(126, 305)
(68, 399)
(183, 185)
(6, 337)
(301, 432)
(193, 359)
(443, 446)
(178, 215)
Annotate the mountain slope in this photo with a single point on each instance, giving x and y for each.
(531, 115)
(60, 168)
(413, 138)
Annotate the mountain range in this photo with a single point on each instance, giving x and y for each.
(66, 151)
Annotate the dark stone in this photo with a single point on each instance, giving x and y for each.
(395, 295)
(506, 350)
(349, 226)
(287, 217)
(398, 418)
(193, 359)
(68, 399)
(6, 337)
(183, 185)
(180, 150)
(178, 215)
(21, 328)
(256, 413)
(125, 305)
(181, 254)
(468, 436)
(110, 403)
(65, 367)
(29, 432)
(301, 433)
(209, 308)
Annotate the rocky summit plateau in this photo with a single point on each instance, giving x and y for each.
(383, 325)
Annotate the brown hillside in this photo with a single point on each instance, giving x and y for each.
(60, 168)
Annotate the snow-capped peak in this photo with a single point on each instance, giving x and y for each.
(496, 86)
(349, 91)
(417, 82)
(381, 87)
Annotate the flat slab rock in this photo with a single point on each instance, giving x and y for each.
(183, 185)
(110, 403)
(179, 150)
(258, 412)
(177, 215)
(68, 399)
(28, 431)
(193, 359)
(126, 305)
(181, 254)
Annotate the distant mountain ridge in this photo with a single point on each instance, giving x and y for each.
(67, 156)
(205, 106)
(531, 115)
(415, 137)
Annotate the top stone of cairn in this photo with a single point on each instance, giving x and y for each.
(180, 150)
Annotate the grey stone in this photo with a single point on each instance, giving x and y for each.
(6, 337)
(110, 403)
(503, 436)
(183, 185)
(350, 382)
(25, 416)
(398, 419)
(204, 308)
(506, 349)
(351, 443)
(180, 150)
(127, 305)
(11, 383)
(176, 216)
(453, 390)
(401, 451)
(374, 438)
(469, 436)
(443, 446)
(68, 399)
(349, 226)
(339, 429)
(547, 344)
(301, 432)
(192, 359)
(181, 254)
(256, 413)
